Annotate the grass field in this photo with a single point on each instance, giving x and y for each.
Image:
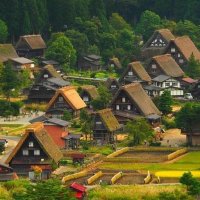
(176, 174)
(190, 162)
(131, 192)
(12, 129)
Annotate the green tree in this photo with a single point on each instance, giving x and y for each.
(104, 98)
(79, 41)
(9, 81)
(67, 116)
(139, 130)
(118, 22)
(62, 51)
(165, 102)
(188, 118)
(149, 22)
(3, 31)
(193, 68)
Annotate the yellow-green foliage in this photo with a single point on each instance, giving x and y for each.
(119, 152)
(94, 177)
(4, 194)
(176, 174)
(149, 149)
(36, 107)
(148, 178)
(177, 153)
(116, 177)
(74, 176)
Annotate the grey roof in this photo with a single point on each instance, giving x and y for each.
(161, 78)
(22, 60)
(41, 118)
(50, 62)
(73, 136)
(59, 122)
(58, 81)
(93, 57)
(153, 116)
(152, 87)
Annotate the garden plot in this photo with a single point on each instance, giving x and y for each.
(105, 179)
(145, 156)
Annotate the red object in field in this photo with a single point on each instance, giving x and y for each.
(79, 189)
(77, 155)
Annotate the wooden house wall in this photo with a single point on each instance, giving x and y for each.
(123, 106)
(153, 69)
(158, 42)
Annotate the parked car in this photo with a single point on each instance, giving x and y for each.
(188, 96)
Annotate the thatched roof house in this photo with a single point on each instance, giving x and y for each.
(164, 65)
(115, 63)
(157, 43)
(135, 72)
(7, 51)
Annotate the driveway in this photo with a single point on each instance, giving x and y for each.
(12, 142)
(173, 138)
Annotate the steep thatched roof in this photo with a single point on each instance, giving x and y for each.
(168, 65)
(71, 96)
(137, 94)
(91, 90)
(110, 80)
(7, 51)
(33, 41)
(186, 46)
(165, 33)
(52, 71)
(108, 119)
(116, 62)
(45, 141)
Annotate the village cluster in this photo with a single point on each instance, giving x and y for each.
(164, 59)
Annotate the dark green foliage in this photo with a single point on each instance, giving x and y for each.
(103, 100)
(164, 102)
(3, 31)
(139, 130)
(67, 116)
(193, 68)
(2, 148)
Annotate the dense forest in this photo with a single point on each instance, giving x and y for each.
(106, 27)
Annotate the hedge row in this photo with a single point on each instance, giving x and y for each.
(116, 177)
(177, 154)
(94, 177)
(119, 152)
(74, 176)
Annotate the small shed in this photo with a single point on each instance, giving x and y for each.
(80, 190)
(72, 141)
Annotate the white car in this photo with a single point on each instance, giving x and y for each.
(188, 96)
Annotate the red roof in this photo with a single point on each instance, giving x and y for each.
(78, 187)
(189, 80)
(79, 195)
(56, 133)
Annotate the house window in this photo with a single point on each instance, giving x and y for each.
(173, 50)
(128, 107)
(154, 66)
(60, 99)
(174, 84)
(32, 65)
(198, 86)
(98, 123)
(85, 98)
(179, 55)
(46, 75)
(30, 144)
(36, 152)
(167, 84)
(123, 99)
(25, 152)
(117, 107)
(113, 86)
(181, 61)
(130, 73)
(112, 65)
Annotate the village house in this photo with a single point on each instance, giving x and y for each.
(46, 84)
(6, 173)
(22, 63)
(7, 51)
(114, 64)
(90, 62)
(131, 101)
(164, 65)
(135, 72)
(104, 126)
(168, 83)
(30, 46)
(193, 137)
(35, 148)
(188, 83)
(66, 99)
(56, 128)
(113, 85)
(72, 141)
(196, 91)
(157, 43)
(88, 93)
(181, 50)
